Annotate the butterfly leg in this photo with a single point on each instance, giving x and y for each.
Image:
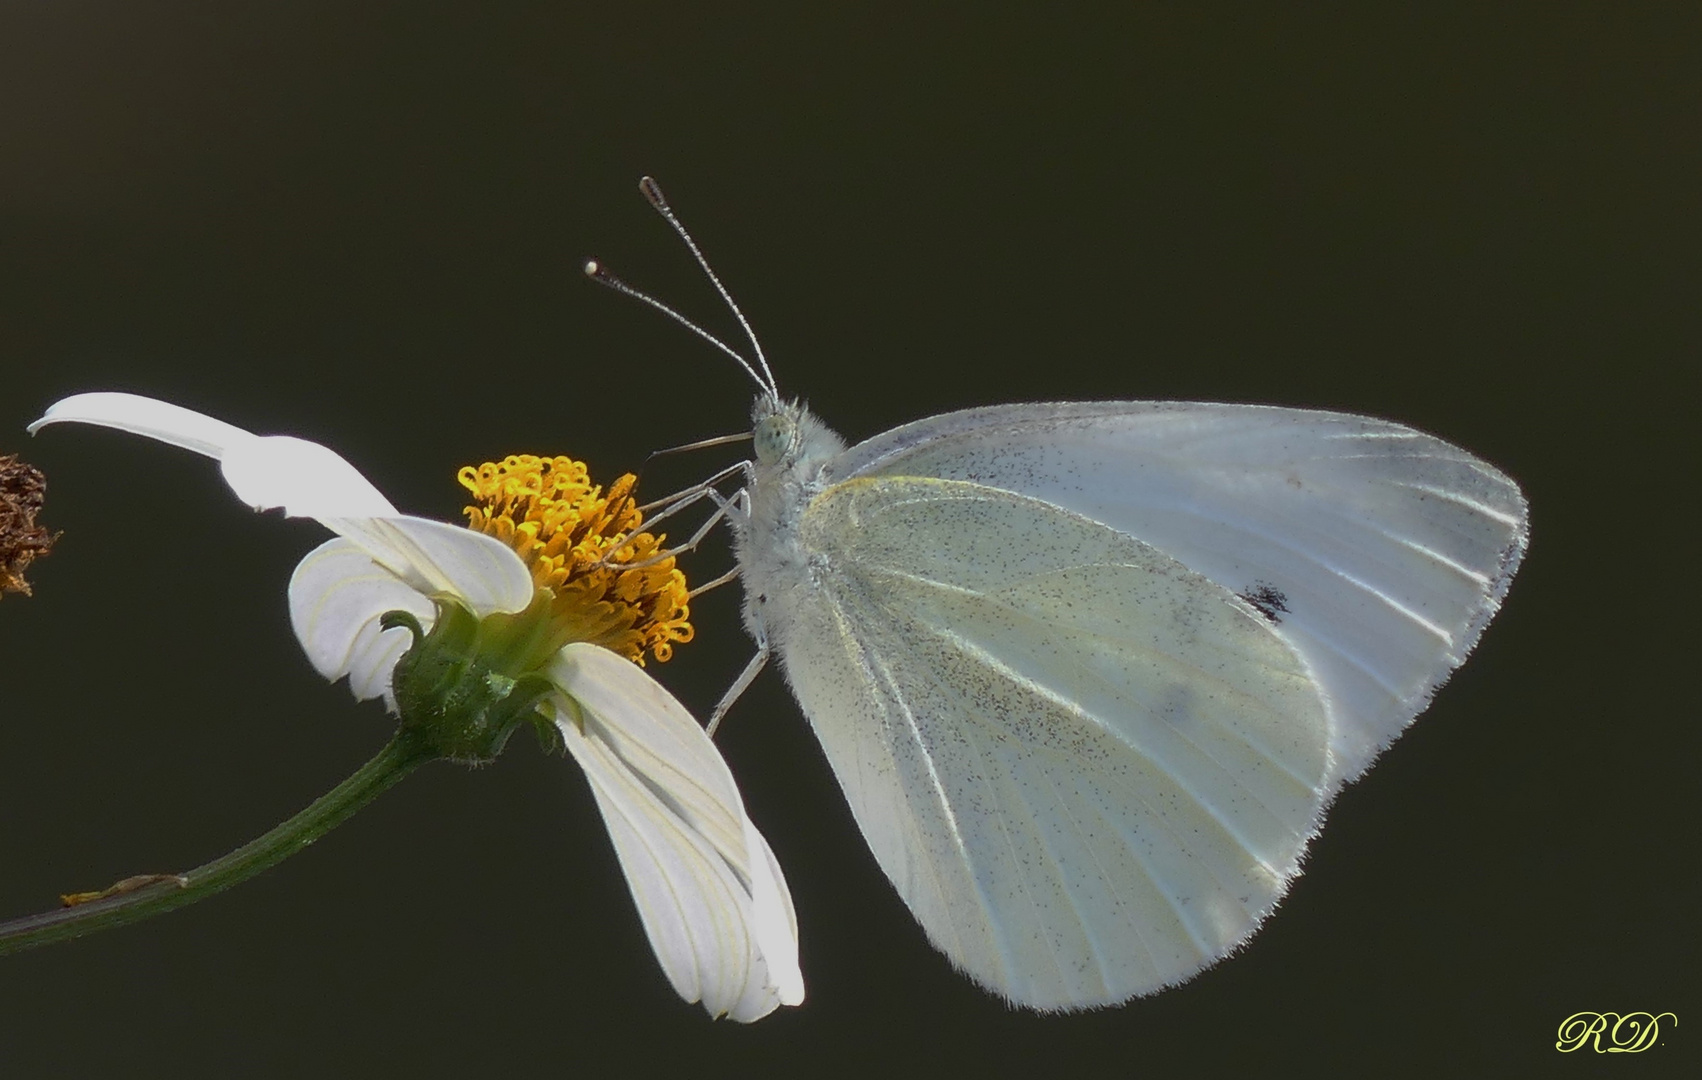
(716, 584)
(694, 492)
(680, 503)
(675, 503)
(737, 510)
(740, 685)
(668, 553)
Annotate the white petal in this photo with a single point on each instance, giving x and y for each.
(437, 557)
(711, 897)
(304, 478)
(337, 595)
(340, 589)
(146, 416)
(775, 921)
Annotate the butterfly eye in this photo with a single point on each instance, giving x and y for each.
(773, 436)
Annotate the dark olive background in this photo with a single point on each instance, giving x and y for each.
(360, 223)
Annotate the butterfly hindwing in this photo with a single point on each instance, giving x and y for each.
(1088, 770)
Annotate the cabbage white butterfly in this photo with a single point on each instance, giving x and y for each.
(1090, 674)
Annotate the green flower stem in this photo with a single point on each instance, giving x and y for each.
(399, 757)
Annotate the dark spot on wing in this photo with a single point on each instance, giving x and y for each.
(1266, 599)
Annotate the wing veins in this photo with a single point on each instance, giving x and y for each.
(1158, 885)
(1461, 500)
(1477, 578)
(1094, 948)
(1255, 745)
(1034, 905)
(1405, 434)
(1244, 528)
(1156, 818)
(1075, 709)
(1330, 566)
(879, 674)
(1163, 823)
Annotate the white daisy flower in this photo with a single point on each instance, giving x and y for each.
(530, 615)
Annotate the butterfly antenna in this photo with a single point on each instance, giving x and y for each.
(596, 272)
(652, 193)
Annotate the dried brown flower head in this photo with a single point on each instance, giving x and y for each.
(22, 492)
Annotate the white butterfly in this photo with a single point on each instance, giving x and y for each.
(1089, 674)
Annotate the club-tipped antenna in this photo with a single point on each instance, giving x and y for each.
(596, 272)
(652, 193)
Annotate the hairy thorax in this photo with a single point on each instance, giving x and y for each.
(792, 449)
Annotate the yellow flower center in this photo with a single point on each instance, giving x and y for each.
(563, 527)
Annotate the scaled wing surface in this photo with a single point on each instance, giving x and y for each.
(1089, 771)
(1380, 551)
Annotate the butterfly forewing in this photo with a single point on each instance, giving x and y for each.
(1088, 770)
(1379, 552)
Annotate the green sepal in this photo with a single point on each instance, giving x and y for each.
(549, 736)
(451, 696)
